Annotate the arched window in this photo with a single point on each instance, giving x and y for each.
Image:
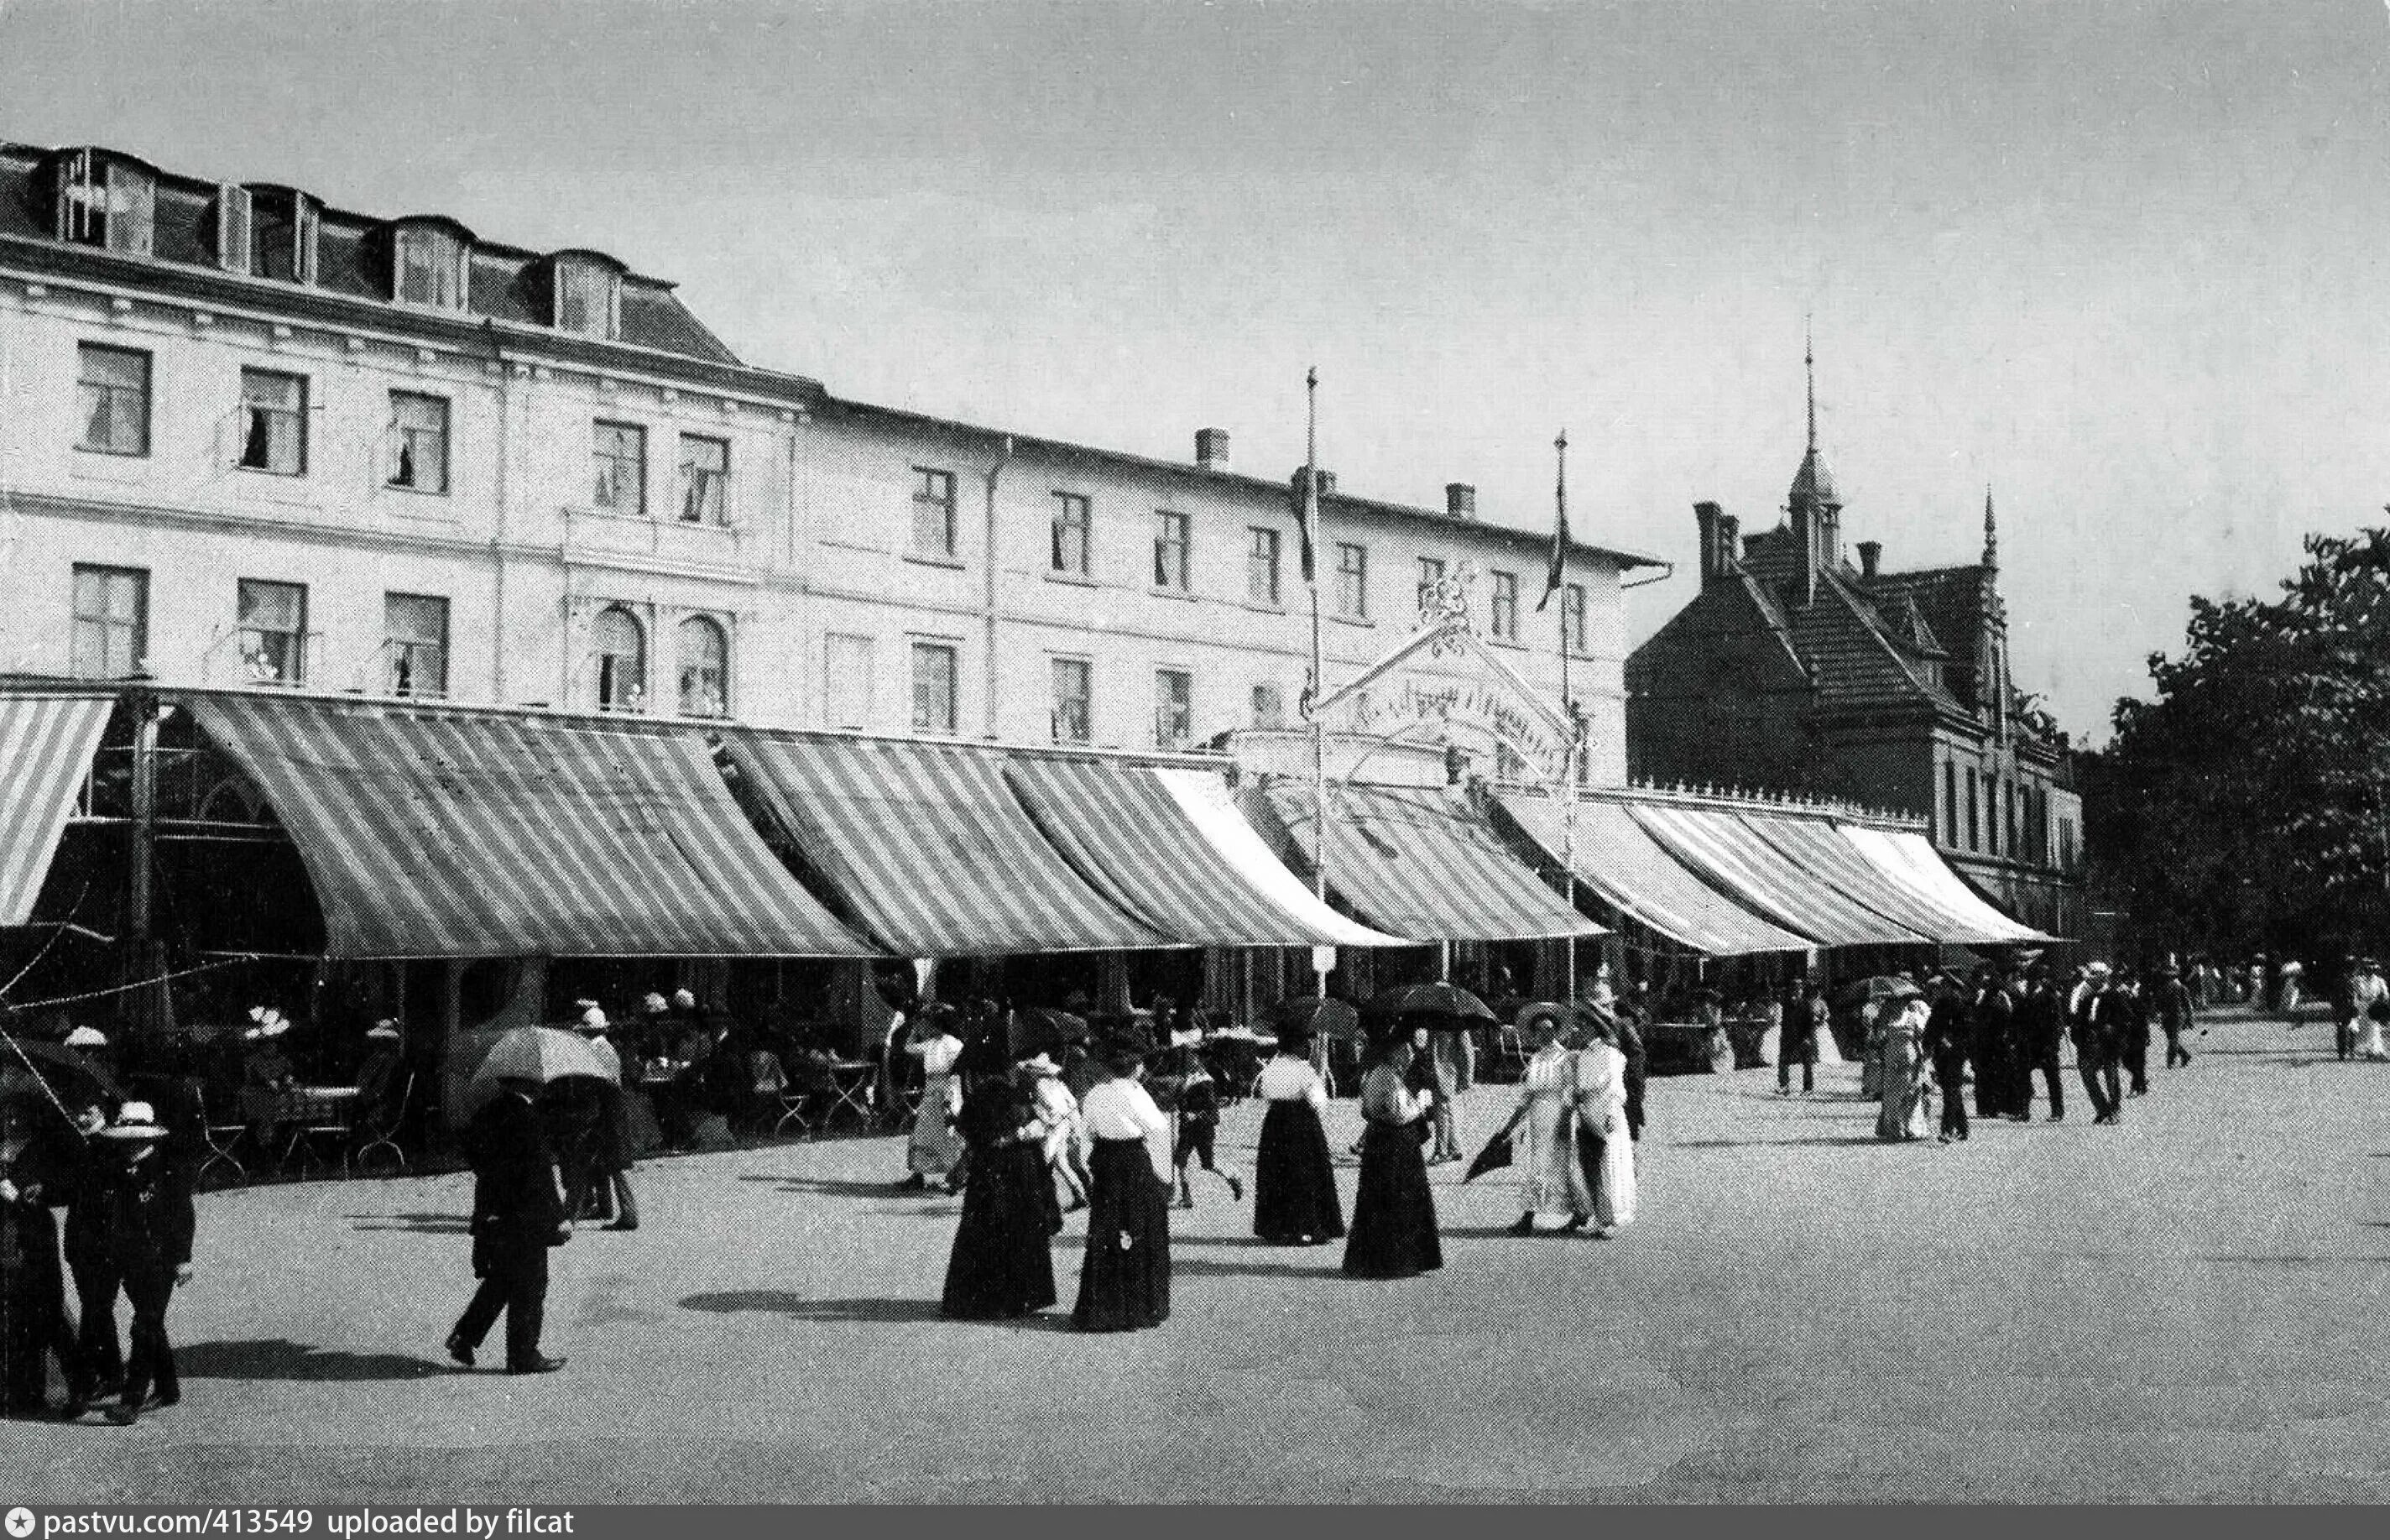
(622, 661)
(704, 669)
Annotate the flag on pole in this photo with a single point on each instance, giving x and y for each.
(1552, 575)
(1307, 500)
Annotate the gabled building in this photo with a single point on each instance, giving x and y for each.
(1793, 670)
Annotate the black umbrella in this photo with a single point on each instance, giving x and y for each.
(1041, 1029)
(1438, 1007)
(1309, 1013)
(1498, 1151)
(66, 1070)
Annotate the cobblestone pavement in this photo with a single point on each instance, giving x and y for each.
(2187, 1306)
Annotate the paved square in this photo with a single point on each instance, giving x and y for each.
(2189, 1306)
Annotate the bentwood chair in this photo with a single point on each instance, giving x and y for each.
(222, 1139)
(378, 1130)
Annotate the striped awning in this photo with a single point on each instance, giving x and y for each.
(1140, 837)
(437, 832)
(926, 846)
(1826, 850)
(1419, 864)
(46, 742)
(1629, 870)
(1730, 854)
(1911, 859)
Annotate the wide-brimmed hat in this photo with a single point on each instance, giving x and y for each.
(593, 1020)
(385, 1031)
(654, 1004)
(134, 1119)
(2099, 970)
(683, 1000)
(87, 1037)
(1043, 1063)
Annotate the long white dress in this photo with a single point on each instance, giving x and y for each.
(936, 1149)
(1554, 1182)
(1601, 1107)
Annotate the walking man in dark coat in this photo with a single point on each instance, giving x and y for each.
(148, 1221)
(2174, 1013)
(1995, 1019)
(1946, 1044)
(2133, 1030)
(2042, 1022)
(1795, 1042)
(2099, 1040)
(518, 1214)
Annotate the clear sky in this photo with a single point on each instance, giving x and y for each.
(2124, 262)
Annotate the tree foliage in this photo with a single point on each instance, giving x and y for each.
(2249, 802)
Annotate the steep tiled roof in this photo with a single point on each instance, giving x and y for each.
(1949, 597)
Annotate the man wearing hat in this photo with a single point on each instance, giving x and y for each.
(605, 1174)
(146, 1233)
(518, 1214)
(1947, 1037)
(1990, 1046)
(2174, 1013)
(2099, 1039)
(379, 1070)
(2041, 1025)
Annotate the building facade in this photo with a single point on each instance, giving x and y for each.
(1793, 670)
(249, 438)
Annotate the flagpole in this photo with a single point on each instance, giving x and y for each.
(1310, 536)
(1568, 709)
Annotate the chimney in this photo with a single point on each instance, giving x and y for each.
(1706, 516)
(1729, 543)
(1212, 448)
(1327, 484)
(1461, 500)
(1870, 556)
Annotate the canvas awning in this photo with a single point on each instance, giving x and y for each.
(1419, 864)
(1826, 850)
(927, 847)
(46, 742)
(1728, 853)
(1167, 846)
(443, 832)
(1911, 859)
(1617, 860)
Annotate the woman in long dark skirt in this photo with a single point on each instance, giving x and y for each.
(1003, 1261)
(35, 1171)
(1394, 1214)
(1294, 1186)
(1125, 1282)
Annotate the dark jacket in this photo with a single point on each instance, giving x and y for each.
(130, 1216)
(1947, 1038)
(515, 1202)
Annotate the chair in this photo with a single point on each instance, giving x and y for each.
(380, 1127)
(851, 1085)
(1510, 1053)
(811, 1084)
(221, 1139)
(319, 1117)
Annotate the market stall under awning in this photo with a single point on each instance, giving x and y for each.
(1911, 859)
(1729, 853)
(433, 831)
(46, 742)
(927, 847)
(1618, 861)
(1167, 845)
(1418, 863)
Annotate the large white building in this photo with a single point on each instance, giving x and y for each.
(249, 437)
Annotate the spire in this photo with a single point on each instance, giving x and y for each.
(1812, 485)
(1991, 532)
(1809, 366)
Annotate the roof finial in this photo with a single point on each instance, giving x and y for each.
(1991, 532)
(1809, 364)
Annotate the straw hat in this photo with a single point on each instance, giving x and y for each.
(383, 1031)
(593, 1020)
(87, 1037)
(654, 1004)
(2099, 970)
(134, 1119)
(683, 1000)
(1043, 1063)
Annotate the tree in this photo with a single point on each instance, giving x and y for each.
(2249, 802)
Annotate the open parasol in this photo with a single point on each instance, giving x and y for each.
(69, 1071)
(541, 1054)
(1042, 1029)
(1438, 1007)
(1309, 1013)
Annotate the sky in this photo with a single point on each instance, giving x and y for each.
(2123, 263)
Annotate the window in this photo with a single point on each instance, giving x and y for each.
(106, 203)
(933, 513)
(273, 630)
(1430, 572)
(1170, 543)
(232, 226)
(1261, 566)
(273, 422)
(414, 644)
(704, 480)
(1950, 802)
(1506, 607)
(429, 267)
(705, 668)
(622, 661)
(1173, 708)
(111, 621)
(1974, 828)
(847, 670)
(418, 442)
(1072, 521)
(1073, 692)
(115, 399)
(1269, 707)
(933, 687)
(1572, 619)
(282, 234)
(622, 450)
(1352, 581)
(588, 297)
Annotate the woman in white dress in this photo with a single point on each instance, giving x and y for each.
(1553, 1183)
(935, 1149)
(1903, 1111)
(1604, 1148)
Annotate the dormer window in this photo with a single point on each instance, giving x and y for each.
(105, 200)
(234, 243)
(282, 224)
(427, 266)
(588, 296)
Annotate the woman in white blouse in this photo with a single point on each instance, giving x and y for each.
(1125, 1281)
(1294, 1185)
(936, 1149)
(1603, 1143)
(1393, 1231)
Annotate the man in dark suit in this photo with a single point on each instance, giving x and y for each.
(2174, 1013)
(1991, 1046)
(2042, 1023)
(2098, 1041)
(1946, 1044)
(147, 1227)
(518, 1214)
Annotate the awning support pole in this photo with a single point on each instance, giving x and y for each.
(1318, 689)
